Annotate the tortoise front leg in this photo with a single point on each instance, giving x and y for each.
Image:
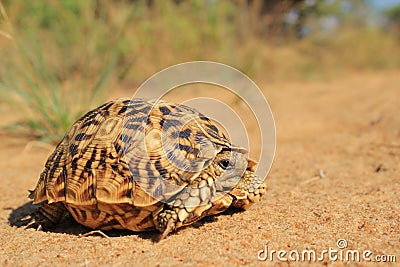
(47, 216)
(244, 201)
(175, 217)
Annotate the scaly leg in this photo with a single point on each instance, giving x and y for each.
(46, 217)
(175, 217)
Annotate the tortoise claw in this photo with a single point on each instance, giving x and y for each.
(25, 218)
(30, 223)
(37, 221)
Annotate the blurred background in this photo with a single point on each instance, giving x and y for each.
(330, 70)
(60, 58)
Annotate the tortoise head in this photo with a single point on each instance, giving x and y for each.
(229, 165)
(235, 176)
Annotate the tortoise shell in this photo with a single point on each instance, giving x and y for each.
(144, 165)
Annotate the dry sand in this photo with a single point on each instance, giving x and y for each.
(335, 176)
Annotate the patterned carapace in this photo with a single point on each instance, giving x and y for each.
(144, 165)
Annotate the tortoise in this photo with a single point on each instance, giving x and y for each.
(144, 165)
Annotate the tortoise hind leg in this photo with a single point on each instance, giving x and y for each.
(47, 216)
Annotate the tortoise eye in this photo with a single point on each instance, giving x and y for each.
(224, 164)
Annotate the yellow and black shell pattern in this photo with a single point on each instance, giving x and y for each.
(122, 161)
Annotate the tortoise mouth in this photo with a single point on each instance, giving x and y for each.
(227, 189)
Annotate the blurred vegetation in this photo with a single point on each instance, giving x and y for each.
(393, 15)
(58, 57)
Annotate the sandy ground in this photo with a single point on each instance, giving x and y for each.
(335, 176)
